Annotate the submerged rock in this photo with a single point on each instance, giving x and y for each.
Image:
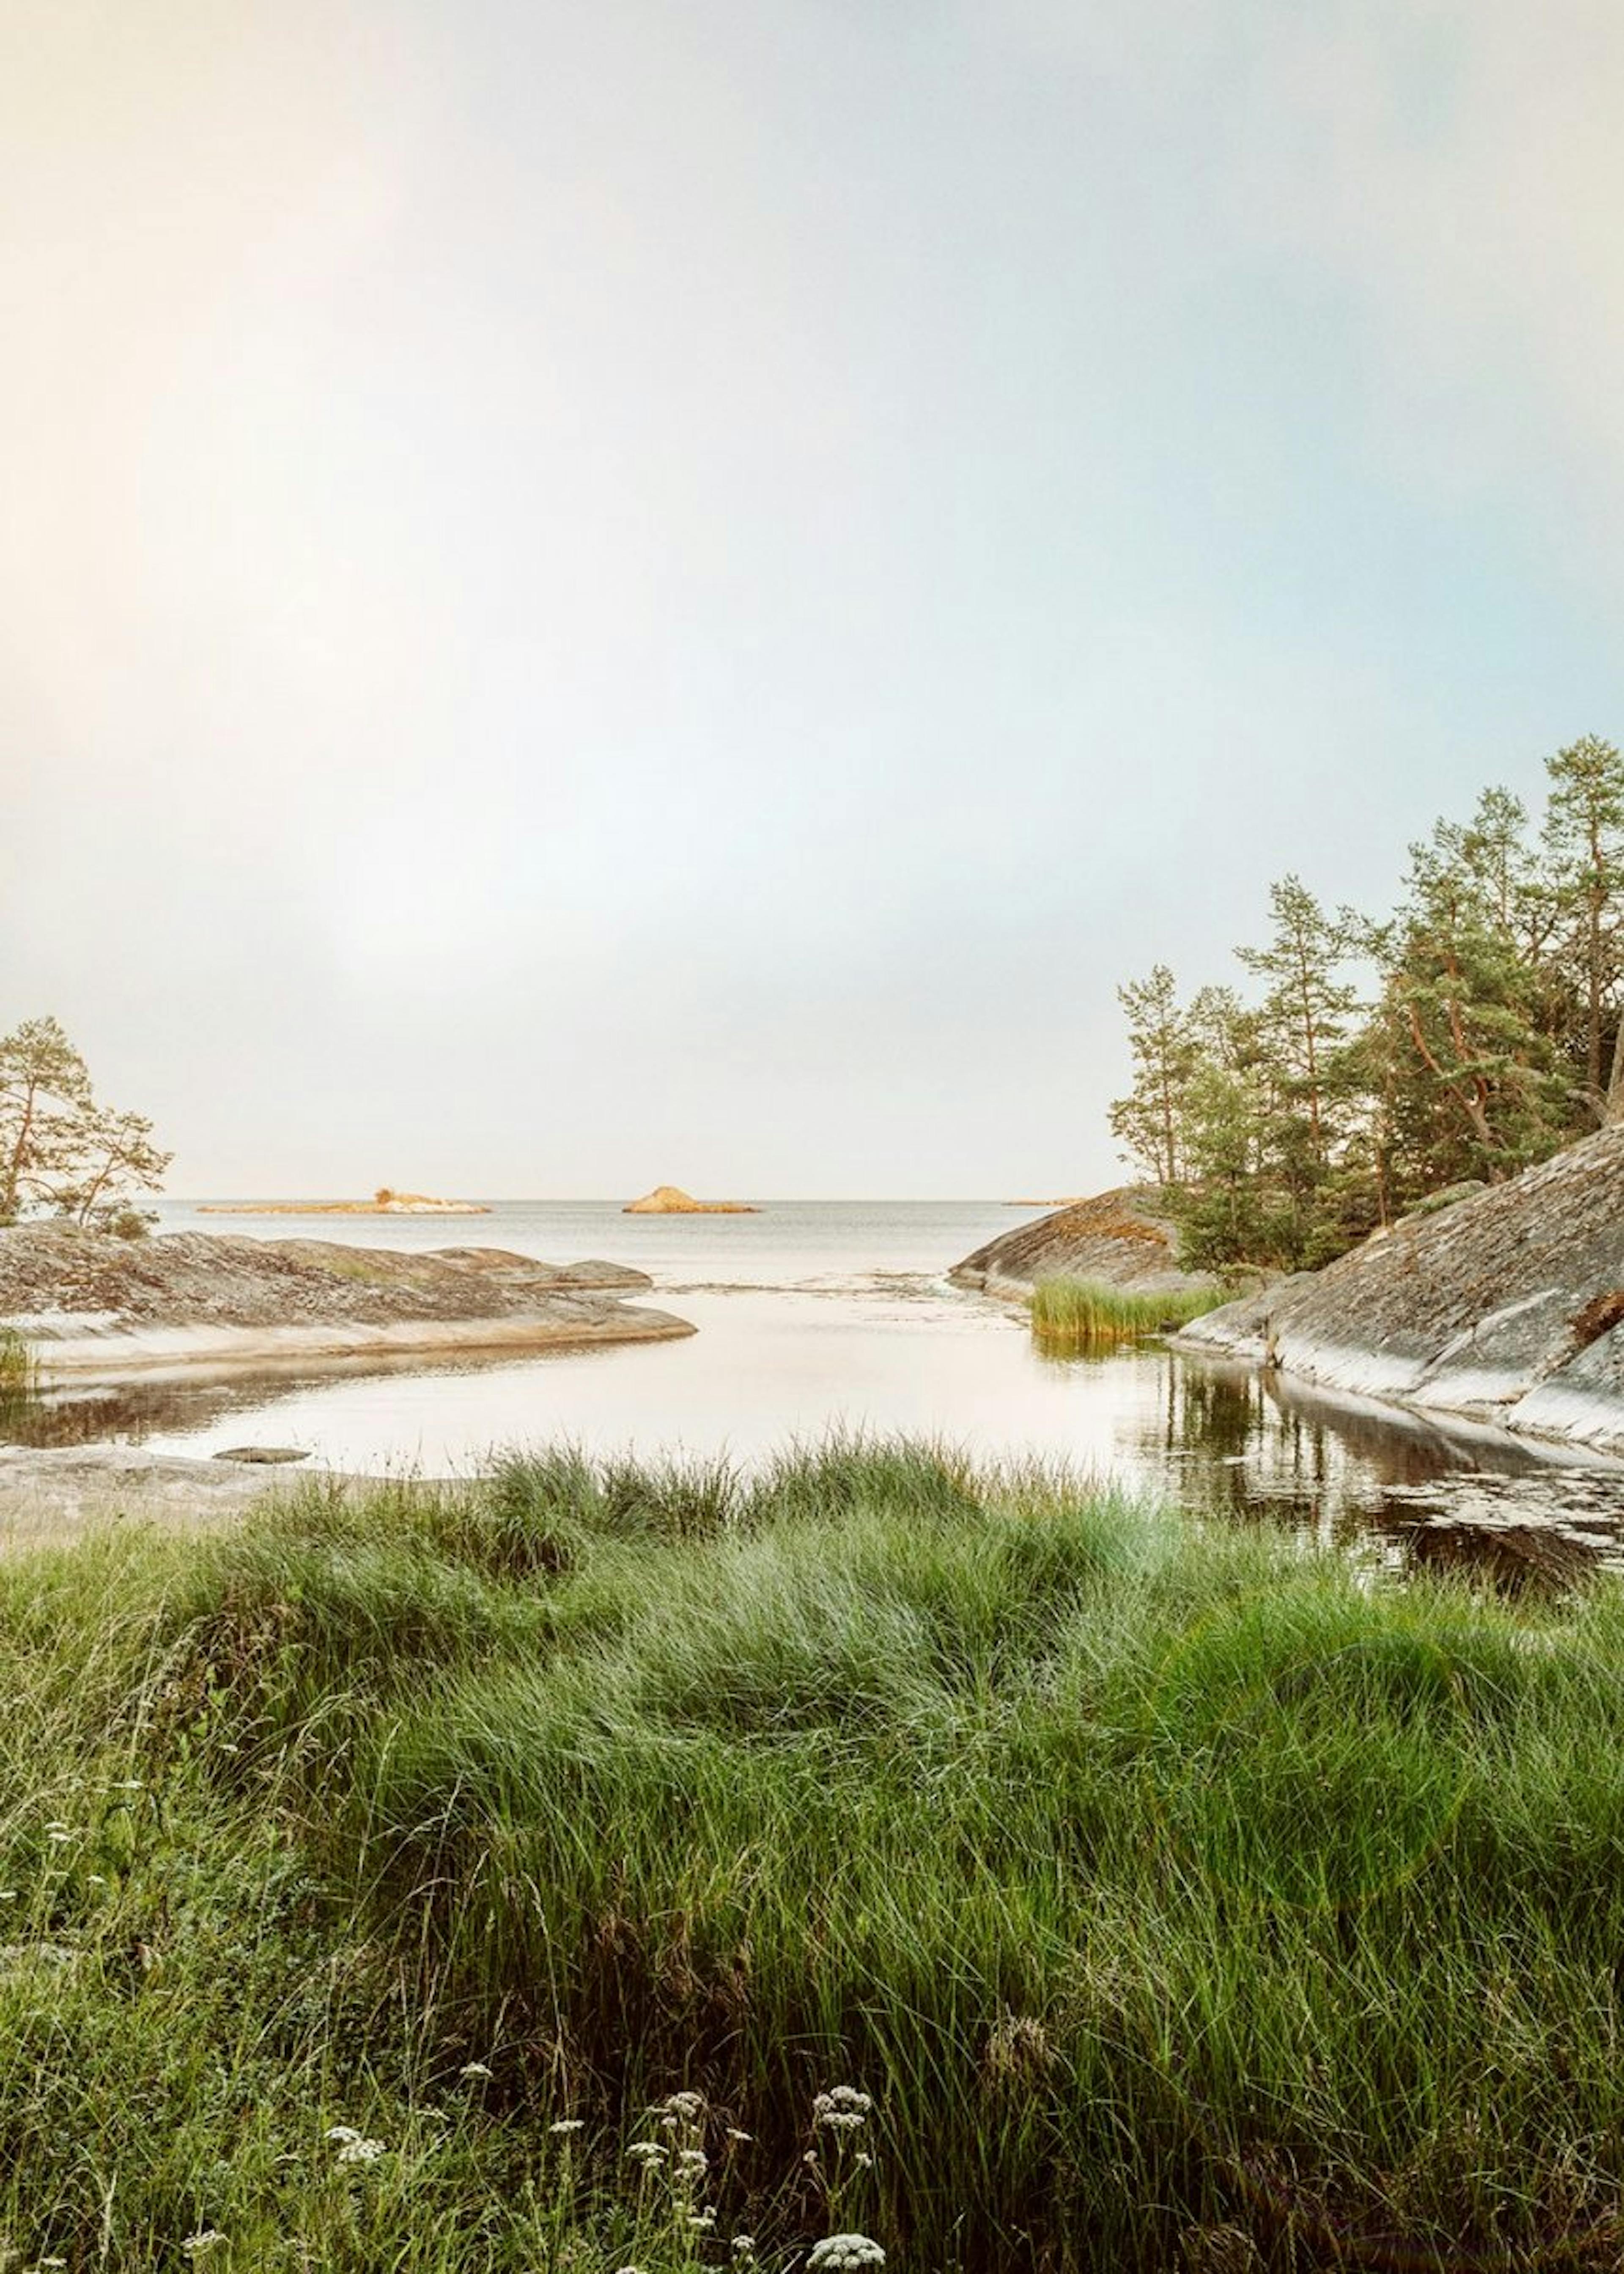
(1507, 1306)
(1123, 1237)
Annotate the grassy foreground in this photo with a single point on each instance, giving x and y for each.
(494, 1881)
(1081, 1315)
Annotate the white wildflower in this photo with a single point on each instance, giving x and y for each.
(341, 2134)
(744, 2246)
(363, 2151)
(648, 2151)
(58, 1840)
(704, 2220)
(693, 2160)
(734, 2134)
(568, 2124)
(686, 2103)
(837, 2251)
(205, 2239)
(842, 2110)
(471, 2069)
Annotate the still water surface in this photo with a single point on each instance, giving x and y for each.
(818, 1314)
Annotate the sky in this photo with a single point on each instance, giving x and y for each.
(620, 592)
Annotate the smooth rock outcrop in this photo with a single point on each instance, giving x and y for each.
(670, 1200)
(1507, 1306)
(1123, 1237)
(85, 1300)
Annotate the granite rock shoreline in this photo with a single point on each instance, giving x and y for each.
(85, 1301)
(1506, 1308)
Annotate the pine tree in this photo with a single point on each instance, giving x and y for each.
(1584, 842)
(45, 1097)
(1148, 1120)
(59, 1150)
(1305, 1013)
(1477, 1091)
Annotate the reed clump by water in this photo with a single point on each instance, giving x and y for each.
(18, 1373)
(1081, 1315)
(20, 1381)
(494, 1878)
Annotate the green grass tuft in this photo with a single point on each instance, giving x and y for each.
(18, 1373)
(1081, 1315)
(1179, 1899)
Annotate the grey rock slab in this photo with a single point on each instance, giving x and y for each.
(1482, 1308)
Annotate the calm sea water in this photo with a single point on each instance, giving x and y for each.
(815, 1315)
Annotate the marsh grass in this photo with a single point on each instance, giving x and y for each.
(19, 1372)
(1180, 1900)
(1082, 1315)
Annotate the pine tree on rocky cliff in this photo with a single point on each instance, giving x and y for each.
(45, 1095)
(59, 1150)
(1584, 842)
(1148, 1120)
(1481, 1093)
(1304, 1014)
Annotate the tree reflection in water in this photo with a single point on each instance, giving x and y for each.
(1402, 1491)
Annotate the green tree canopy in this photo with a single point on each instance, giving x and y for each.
(61, 1152)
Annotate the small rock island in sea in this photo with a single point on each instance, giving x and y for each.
(670, 1200)
(385, 1202)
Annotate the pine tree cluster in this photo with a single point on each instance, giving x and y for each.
(1374, 1066)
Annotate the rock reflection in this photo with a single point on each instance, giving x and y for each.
(1406, 1491)
(130, 1411)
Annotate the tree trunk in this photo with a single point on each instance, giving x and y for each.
(1615, 1087)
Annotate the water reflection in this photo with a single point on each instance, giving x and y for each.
(135, 1410)
(1400, 1492)
(1408, 1491)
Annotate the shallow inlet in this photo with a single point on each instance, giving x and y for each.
(819, 1316)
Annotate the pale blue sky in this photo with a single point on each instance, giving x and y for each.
(600, 593)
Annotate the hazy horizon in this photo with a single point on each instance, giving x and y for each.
(602, 596)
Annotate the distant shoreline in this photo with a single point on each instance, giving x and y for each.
(397, 1204)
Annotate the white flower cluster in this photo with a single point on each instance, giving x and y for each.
(566, 2124)
(838, 2251)
(473, 2071)
(352, 2148)
(842, 2110)
(206, 2239)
